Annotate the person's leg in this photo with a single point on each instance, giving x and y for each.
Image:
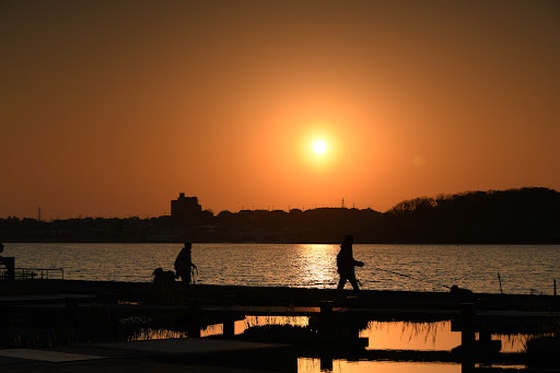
(341, 282)
(186, 277)
(353, 281)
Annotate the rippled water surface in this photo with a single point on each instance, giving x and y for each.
(521, 269)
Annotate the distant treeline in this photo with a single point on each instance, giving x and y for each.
(527, 215)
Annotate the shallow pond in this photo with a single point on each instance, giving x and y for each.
(381, 335)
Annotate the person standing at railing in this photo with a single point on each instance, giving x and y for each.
(184, 264)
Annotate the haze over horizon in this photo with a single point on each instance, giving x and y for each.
(112, 108)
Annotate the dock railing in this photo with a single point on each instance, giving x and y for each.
(34, 273)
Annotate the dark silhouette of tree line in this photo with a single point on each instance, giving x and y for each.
(527, 215)
(516, 216)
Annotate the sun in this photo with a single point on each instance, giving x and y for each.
(319, 146)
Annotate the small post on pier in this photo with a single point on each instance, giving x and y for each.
(467, 337)
(467, 332)
(194, 320)
(326, 329)
(229, 327)
(326, 362)
(554, 287)
(326, 317)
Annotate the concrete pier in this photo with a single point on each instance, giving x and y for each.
(169, 355)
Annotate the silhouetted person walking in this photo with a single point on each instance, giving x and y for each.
(184, 264)
(345, 262)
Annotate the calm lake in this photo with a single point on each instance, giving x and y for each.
(481, 268)
(516, 269)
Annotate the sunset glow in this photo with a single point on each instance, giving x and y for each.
(111, 110)
(319, 146)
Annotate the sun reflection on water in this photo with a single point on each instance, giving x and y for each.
(425, 336)
(315, 365)
(316, 264)
(402, 335)
(309, 365)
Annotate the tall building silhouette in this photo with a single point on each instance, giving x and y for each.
(185, 208)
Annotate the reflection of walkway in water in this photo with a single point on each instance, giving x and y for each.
(399, 346)
(309, 365)
(426, 336)
(382, 335)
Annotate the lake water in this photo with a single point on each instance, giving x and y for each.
(522, 270)
(516, 269)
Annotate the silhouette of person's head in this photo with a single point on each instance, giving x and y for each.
(188, 245)
(349, 238)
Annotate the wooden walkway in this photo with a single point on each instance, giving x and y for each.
(84, 301)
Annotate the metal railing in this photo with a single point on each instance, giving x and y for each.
(32, 273)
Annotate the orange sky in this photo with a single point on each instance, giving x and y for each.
(111, 108)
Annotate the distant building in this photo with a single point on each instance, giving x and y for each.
(185, 208)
